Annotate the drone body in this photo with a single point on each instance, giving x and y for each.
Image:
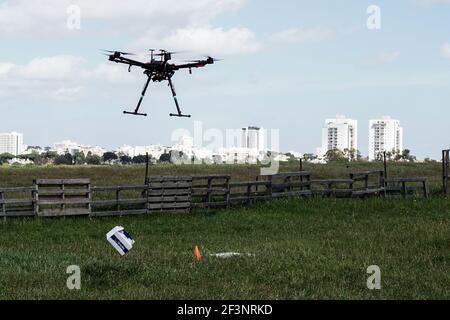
(157, 71)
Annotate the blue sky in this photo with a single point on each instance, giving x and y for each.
(287, 65)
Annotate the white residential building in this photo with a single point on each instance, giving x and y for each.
(385, 134)
(155, 151)
(68, 146)
(238, 155)
(252, 138)
(340, 133)
(11, 143)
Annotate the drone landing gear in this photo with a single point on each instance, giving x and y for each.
(136, 111)
(174, 94)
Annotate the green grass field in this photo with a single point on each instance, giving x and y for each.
(302, 249)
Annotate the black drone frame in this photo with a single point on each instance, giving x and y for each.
(157, 71)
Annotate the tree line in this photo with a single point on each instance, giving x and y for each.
(79, 158)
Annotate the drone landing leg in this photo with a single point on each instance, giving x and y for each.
(136, 113)
(174, 94)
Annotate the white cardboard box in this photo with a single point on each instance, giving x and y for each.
(120, 239)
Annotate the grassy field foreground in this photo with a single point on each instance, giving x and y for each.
(303, 249)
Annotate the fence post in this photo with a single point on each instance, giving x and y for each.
(36, 198)
(301, 177)
(2, 198)
(404, 191)
(147, 160)
(447, 178)
(269, 186)
(425, 189)
(118, 200)
(227, 196)
(208, 194)
(89, 196)
(352, 186)
(445, 172)
(382, 185)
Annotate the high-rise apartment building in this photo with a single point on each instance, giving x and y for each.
(11, 143)
(252, 138)
(340, 133)
(385, 134)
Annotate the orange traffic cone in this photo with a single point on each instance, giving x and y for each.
(197, 254)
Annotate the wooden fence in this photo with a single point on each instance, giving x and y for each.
(69, 197)
(403, 185)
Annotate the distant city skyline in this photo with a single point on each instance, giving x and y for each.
(284, 67)
(339, 133)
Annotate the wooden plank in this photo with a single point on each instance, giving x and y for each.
(242, 194)
(117, 213)
(16, 201)
(218, 204)
(289, 174)
(289, 185)
(204, 190)
(154, 206)
(247, 183)
(63, 201)
(63, 212)
(367, 191)
(400, 180)
(213, 176)
(28, 213)
(252, 197)
(115, 188)
(168, 179)
(66, 192)
(333, 181)
(17, 189)
(400, 188)
(50, 182)
(122, 202)
(58, 198)
(213, 185)
(169, 192)
(169, 185)
(291, 194)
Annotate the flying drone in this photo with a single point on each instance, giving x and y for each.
(157, 69)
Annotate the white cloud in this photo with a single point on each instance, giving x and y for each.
(445, 50)
(51, 68)
(5, 68)
(66, 93)
(58, 77)
(388, 57)
(303, 35)
(207, 40)
(37, 16)
(432, 2)
(112, 73)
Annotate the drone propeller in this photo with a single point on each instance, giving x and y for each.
(208, 58)
(164, 52)
(122, 53)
